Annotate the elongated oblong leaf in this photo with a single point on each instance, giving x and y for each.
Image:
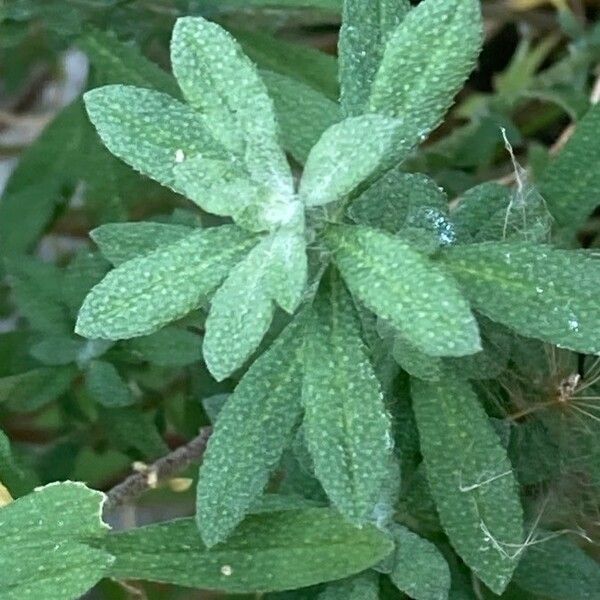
(346, 425)
(471, 479)
(242, 309)
(250, 435)
(145, 293)
(361, 587)
(426, 61)
(120, 242)
(399, 284)
(269, 552)
(218, 79)
(366, 28)
(348, 153)
(540, 292)
(150, 130)
(46, 543)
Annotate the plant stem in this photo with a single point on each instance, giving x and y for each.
(164, 468)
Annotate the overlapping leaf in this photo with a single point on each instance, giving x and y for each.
(426, 61)
(150, 130)
(220, 81)
(470, 478)
(400, 285)
(46, 549)
(334, 169)
(120, 242)
(346, 425)
(538, 291)
(362, 587)
(145, 293)
(276, 551)
(251, 433)
(366, 28)
(242, 309)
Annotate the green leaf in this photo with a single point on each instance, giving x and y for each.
(470, 478)
(169, 347)
(104, 384)
(426, 61)
(250, 435)
(220, 81)
(85, 270)
(558, 569)
(409, 204)
(571, 183)
(46, 537)
(150, 130)
(401, 285)
(57, 350)
(116, 62)
(120, 242)
(366, 28)
(346, 425)
(35, 186)
(279, 551)
(242, 309)
(540, 292)
(300, 130)
(303, 63)
(143, 294)
(33, 389)
(362, 587)
(224, 189)
(419, 568)
(334, 169)
(17, 479)
(330, 5)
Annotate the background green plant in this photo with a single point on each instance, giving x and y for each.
(390, 324)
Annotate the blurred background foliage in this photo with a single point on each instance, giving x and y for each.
(76, 409)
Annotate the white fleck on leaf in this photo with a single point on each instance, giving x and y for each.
(221, 82)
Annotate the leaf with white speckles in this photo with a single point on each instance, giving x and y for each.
(401, 285)
(366, 28)
(150, 130)
(143, 294)
(250, 435)
(46, 539)
(426, 61)
(362, 587)
(242, 309)
(346, 425)
(219, 80)
(300, 130)
(349, 153)
(470, 478)
(120, 242)
(269, 552)
(221, 188)
(418, 567)
(540, 292)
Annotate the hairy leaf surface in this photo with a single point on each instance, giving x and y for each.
(538, 291)
(471, 479)
(143, 294)
(404, 287)
(250, 435)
